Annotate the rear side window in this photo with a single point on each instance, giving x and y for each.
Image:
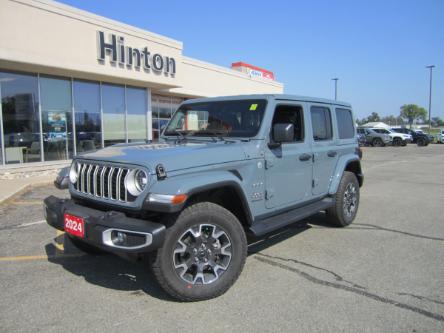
(345, 124)
(321, 123)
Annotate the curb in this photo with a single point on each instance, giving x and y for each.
(22, 189)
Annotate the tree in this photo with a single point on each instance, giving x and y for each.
(437, 122)
(392, 120)
(373, 117)
(412, 112)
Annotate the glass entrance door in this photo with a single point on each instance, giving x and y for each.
(56, 105)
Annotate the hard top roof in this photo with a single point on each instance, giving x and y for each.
(277, 97)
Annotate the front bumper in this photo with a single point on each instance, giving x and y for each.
(141, 236)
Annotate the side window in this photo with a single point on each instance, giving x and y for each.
(291, 114)
(345, 124)
(321, 122)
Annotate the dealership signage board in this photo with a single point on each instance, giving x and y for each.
(118, 53)
(252, 71)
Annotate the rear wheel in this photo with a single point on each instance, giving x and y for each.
(346, 201)
(203, 253)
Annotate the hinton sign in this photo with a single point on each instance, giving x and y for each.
(124, 55)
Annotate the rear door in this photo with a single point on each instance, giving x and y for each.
(325, 152)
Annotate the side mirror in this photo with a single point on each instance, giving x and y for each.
(282, 133)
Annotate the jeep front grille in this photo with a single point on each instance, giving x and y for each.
(103, 181)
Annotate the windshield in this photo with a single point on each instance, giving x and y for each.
(238, 118)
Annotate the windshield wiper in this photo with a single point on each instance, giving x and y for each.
(219, 134)
(182, 134)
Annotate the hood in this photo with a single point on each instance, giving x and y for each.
(173, 156)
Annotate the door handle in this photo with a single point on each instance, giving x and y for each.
(304, 157)
(332, 153)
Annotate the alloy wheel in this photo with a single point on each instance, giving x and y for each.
(350, 200)
(202, 254)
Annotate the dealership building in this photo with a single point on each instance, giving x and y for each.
(72, 81)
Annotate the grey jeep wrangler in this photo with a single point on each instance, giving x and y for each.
(224, 168)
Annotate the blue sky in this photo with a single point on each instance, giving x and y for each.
(377, 49)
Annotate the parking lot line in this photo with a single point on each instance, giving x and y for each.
(39, 257)
(31, 223)
(30, 202)
(59, 241)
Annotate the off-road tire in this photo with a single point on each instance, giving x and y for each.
(162, 261)
(336, 214)
(84, 247)
(377, 142)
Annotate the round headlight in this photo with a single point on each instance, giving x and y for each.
(73, 173)
(141, 179)
(136, 181)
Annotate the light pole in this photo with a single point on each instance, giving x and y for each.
(336, 87)
(430, 97)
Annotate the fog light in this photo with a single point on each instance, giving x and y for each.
(118, 238)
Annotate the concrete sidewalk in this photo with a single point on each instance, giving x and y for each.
(12, 187)
(17, 178)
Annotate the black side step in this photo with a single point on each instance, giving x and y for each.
(275, 222)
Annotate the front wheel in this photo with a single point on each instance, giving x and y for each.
(397, 142)
(203, 253)
(346, 201)
(377, 142)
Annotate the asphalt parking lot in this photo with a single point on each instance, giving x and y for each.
(383, 273)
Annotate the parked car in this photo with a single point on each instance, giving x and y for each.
(440, 136)
(398, 139)
(430, 136)
(361, 139)
(420, 139)
(374, 138)
(226, 166)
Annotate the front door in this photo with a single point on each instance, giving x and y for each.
(325, 156)
(288, 167)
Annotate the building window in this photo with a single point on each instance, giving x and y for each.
(21, 121)
(103, 115)
(113, 103)
(163, 107)
(346, 130)
(87, 116)
(321, 123)
(136, 114)
(56, 107)
(175, 102)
